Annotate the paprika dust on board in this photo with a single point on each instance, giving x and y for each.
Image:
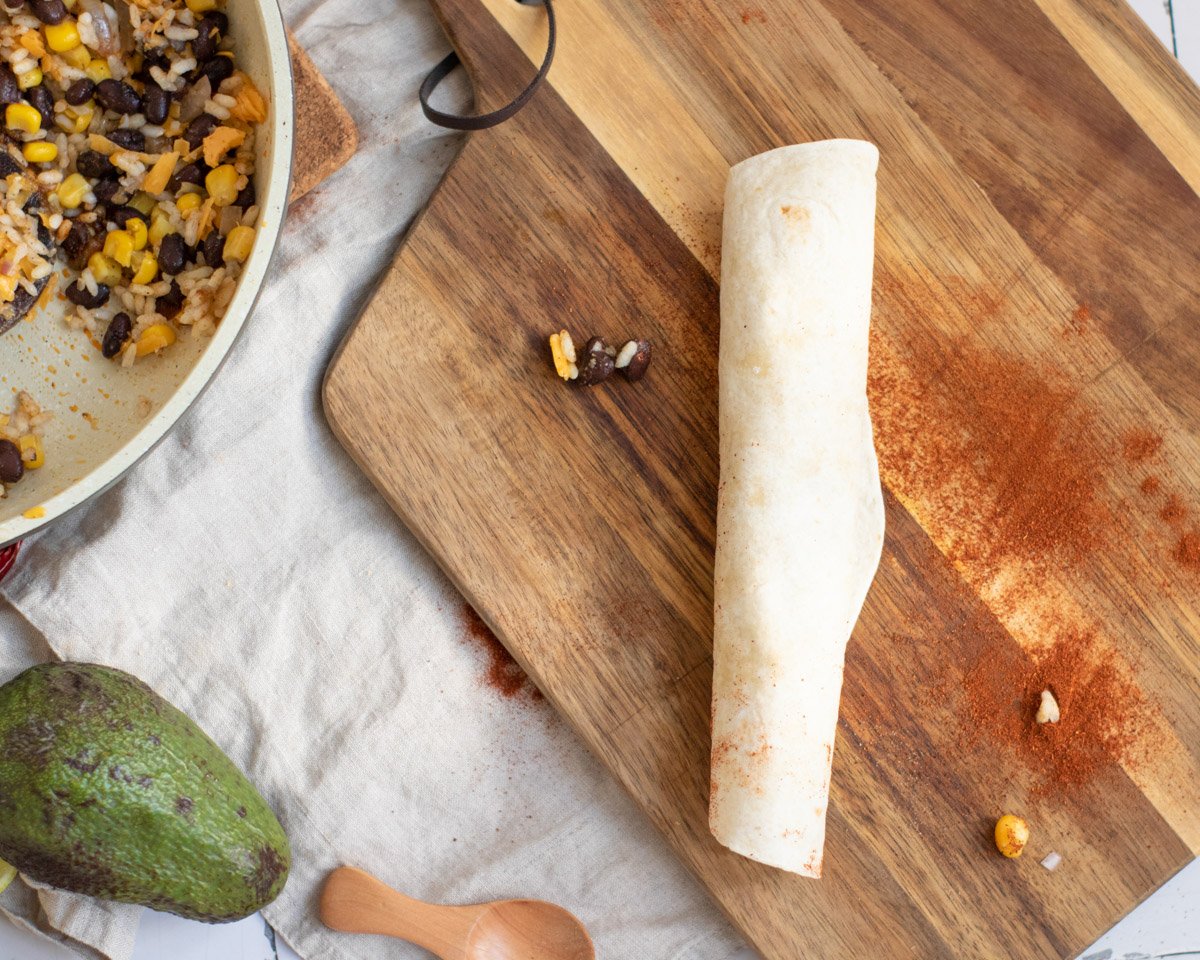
(1005, 466)
(1004, 460)
(1138, 446)
(1104, 717)
(501, 673)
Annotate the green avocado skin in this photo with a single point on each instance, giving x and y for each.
(108, 790)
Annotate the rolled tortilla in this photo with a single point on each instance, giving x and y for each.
(800, 513)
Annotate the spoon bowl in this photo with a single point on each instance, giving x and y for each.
(528, 928)
(355, 902)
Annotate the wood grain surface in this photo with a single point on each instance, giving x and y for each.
(1036, 291)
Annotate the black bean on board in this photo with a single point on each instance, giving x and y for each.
(638, 364)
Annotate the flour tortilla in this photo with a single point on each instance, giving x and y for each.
(800, 513)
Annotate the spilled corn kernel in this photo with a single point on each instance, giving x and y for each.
(1012, 833)
(562, 350)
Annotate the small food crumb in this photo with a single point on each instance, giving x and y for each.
(598, 360)
(34, 513)
(562, 350)
(636, 361)
(1048, 710)
(1052, 860)
(1012, 833)
(596, 364)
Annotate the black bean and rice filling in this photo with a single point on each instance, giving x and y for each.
(128, 155)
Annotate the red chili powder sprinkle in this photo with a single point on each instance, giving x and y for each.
(1140, 445)
(753, 15)
(1173, 511)
(1080, 320)
(1151, 485)
(1187, 552)
(1104, 716)
(503, 674)
(1001, 454)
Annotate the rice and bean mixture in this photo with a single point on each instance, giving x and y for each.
(21, 440)
(128, 153)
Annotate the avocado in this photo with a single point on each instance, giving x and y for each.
(108, 790)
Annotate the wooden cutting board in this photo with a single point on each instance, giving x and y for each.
(1034, 335)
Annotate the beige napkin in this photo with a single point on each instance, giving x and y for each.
(250, 574)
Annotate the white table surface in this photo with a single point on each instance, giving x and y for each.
(1166, 925)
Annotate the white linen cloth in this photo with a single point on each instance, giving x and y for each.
(252, 576)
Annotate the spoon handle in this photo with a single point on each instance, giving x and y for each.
(353, 901)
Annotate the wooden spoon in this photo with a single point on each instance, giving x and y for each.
(355, 902)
